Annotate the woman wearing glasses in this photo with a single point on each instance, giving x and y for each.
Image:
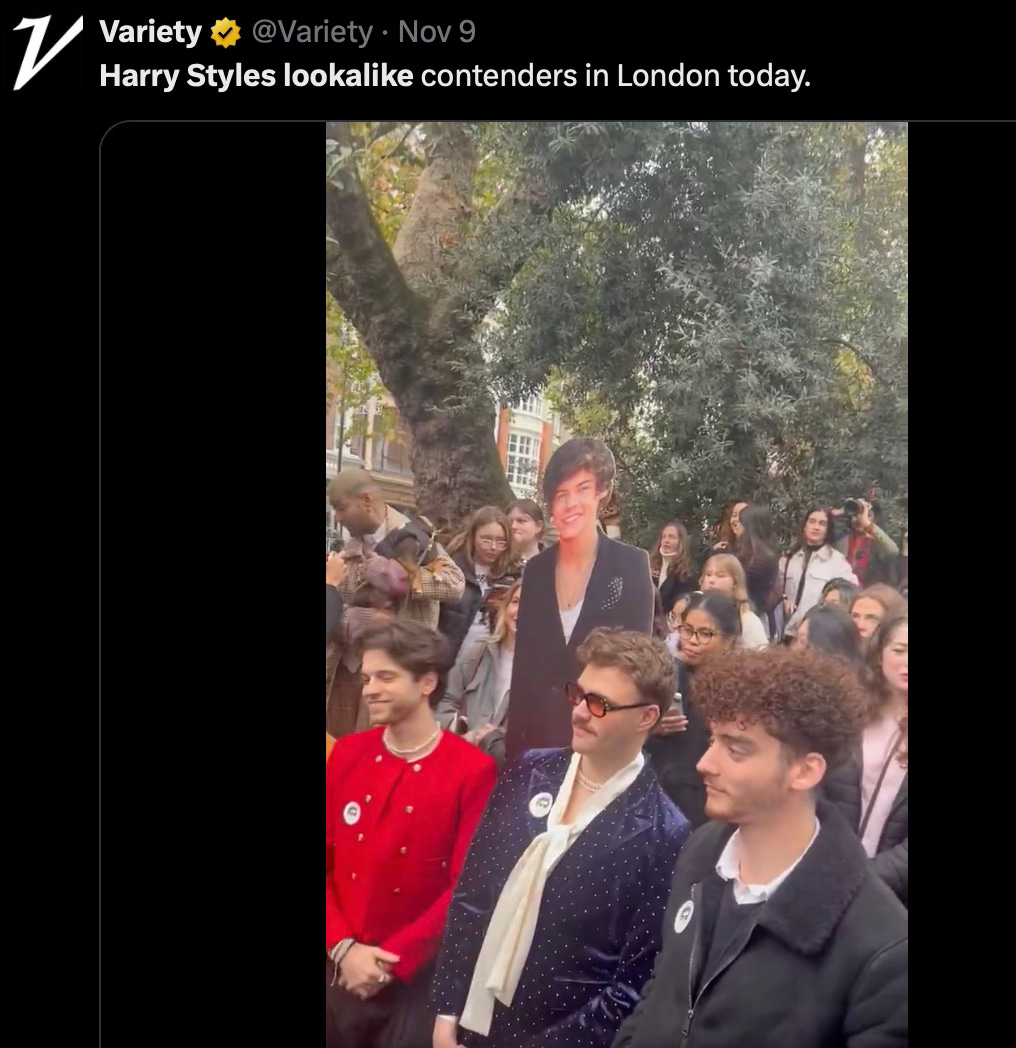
(483, 552)
(710, 624)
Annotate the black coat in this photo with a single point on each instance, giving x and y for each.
(891, 861)
(674, 588)
(455, 619)
(822, 964)
(619, 593)
(761, 576)
(674, 757)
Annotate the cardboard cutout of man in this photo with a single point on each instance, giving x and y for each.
(583, 581)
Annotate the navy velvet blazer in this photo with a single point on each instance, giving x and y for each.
(620, 592)
(599, 928)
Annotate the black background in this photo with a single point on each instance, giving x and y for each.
(208, 378)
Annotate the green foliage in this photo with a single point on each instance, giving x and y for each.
(350, 376)
(724, 303)
(731, 317)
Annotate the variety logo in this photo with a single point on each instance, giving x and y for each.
(31, 63)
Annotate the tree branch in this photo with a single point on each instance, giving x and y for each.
(512, 231)
(365, 280)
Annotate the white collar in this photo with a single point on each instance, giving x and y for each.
(729, 868)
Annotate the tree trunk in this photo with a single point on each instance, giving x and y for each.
(856, 161)
(418, 306)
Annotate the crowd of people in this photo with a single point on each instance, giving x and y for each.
(580, 793)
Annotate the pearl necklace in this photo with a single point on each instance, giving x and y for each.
(584, 782)
(416, 749)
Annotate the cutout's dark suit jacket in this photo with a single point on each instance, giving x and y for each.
(620, 593)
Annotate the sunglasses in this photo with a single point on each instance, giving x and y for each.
(597, 705)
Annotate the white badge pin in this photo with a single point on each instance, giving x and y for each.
(351, 813)
(540, 805)
(683, 917)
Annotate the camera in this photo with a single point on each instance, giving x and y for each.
(851, 507)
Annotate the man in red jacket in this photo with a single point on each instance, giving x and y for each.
(403, 800)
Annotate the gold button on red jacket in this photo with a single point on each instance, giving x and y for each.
(406, 846)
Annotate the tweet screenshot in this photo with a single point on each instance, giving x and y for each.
(616, 498)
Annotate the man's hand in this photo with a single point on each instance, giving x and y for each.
(335, 569)
(365, 970)
(445, 1035)
(479, 734)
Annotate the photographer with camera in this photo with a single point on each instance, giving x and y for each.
(872, 555)
(394, 568)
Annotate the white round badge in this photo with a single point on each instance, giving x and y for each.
(684, 916)
(540, 805)
(351, 813)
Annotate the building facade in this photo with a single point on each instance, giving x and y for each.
(375, 438)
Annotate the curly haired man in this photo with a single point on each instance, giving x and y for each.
(777, 932)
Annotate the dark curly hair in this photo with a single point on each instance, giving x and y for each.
(810, 702)
(574, 455)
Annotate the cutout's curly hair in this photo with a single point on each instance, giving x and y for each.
(577, 454)
(810, 702)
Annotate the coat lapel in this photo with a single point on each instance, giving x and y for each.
(592, 602)
(624, 819)
(544, 781)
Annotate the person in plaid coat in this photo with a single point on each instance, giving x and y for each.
(361, 509)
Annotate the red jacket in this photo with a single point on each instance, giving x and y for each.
(396, 836)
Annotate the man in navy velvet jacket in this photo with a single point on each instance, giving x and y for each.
(556, 919)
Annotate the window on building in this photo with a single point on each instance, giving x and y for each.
(391, 443)
(523, 466)
(530, 406)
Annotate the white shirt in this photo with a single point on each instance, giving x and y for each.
(753, 633)
(568, 620)
(729, 868)
(505, 660)
(664, 568)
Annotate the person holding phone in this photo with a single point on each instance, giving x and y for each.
(710, 624)
(475, 702)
